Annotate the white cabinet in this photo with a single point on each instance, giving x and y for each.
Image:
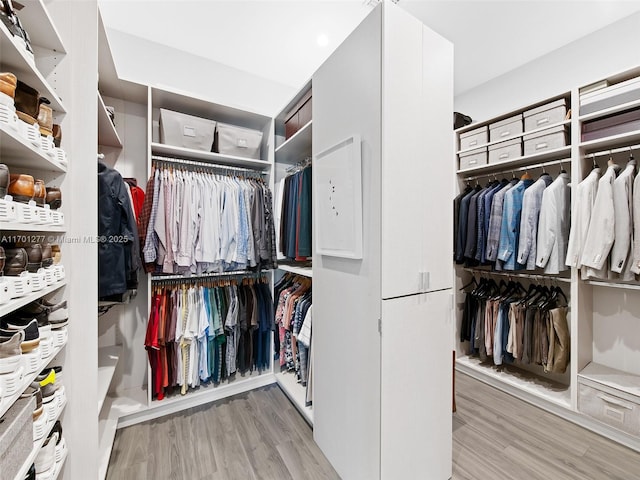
(417, 98)
(415, 435)
(391, 83)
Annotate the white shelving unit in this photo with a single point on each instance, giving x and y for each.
(304, 271)
(598, 356)
(209, 157)
(297, 147)
(31, 227)
(296, 394)
(24, 154)
(26, 381)
(36, 20)
(288, 152)
(16, 303)
(107, 427)
(556, 153)
(37, 445)
(16, 60)
(108, 358)
(107, 134)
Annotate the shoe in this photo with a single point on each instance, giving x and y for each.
(48, 392)
(57, 254)
(39, 192)
(27, 100)
(46, 377)
(16, 261)
(34, 255)
(46, 458)
(21, 187)
(3, 258)
(10, 352)
(31, 474)
(31, 335)
(34, 390)
(47, 255)
(57, 135)
(54, 198)
(57, 313)
(4, 179)
(58, 372)
(8, 84)
(45, 120)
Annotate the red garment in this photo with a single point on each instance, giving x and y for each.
(153, 350)
(137, 195)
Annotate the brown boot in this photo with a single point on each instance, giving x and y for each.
(40, 192)
(21, 187)
(54, 198)
(8, 84)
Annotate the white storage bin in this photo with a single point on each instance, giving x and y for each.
(545, 140)
(545, 115)
(473, 158)
(474, 138)
(613, 407)
(182, 130)
(237, 141)
(612, 96)
(505, 128)
(505, 151)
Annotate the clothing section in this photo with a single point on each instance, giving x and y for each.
(118, 249)
(293, 319)
(208, 332)
(514, 224)
(605, 231)
(201, 222)
(293, 214)
(507, 324)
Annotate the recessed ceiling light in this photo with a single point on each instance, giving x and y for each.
(322, 40)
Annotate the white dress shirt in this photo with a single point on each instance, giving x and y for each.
(553, 227)
(635, 265)
(622, 207)
(600, 234)
(585, 197)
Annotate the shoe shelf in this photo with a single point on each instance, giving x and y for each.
(107, 134)
(58, 466)
(16, 303)
(296, 148)
(108, 358)
(37, 445)
(16, 60)
(31, 227)
(19, 152)
(304, 271)
(296, 392)
(7, 402)
(209, 157)
(37, 22)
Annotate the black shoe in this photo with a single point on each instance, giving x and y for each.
(31, 334)
(31, 474)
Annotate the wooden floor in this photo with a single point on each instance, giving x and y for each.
(260, 435)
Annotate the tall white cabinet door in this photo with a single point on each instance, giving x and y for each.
(416, 429)
(346, 292)
(417, 106)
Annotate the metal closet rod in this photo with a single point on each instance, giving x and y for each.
(519, 169)
(213, 166)
(603, 153)
(195, 278)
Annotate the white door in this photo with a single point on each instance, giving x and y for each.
(416, 428)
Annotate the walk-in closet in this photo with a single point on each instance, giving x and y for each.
(357, 240)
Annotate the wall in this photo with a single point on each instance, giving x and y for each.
(165, 66)
(606, 51)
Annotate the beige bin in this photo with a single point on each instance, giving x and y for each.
(545, 115)
(237, 141)
(473, 158)
(474, 138)
(505, 151)
(545, 140)
(182, 130)
(505, 128)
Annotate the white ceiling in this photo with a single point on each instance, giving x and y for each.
(278, 40)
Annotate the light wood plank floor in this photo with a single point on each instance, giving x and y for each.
(260, 435)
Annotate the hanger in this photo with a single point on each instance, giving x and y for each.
(526, 175)
(562, 170)
(472, 282)
(594, 164)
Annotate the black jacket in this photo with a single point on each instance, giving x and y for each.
(118, 250)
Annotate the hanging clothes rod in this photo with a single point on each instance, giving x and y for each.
(604, 153)
(195, 278)
(515, 276)
(212, 166)
(519, 169)
(299, 166)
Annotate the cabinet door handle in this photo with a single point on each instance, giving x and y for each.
(542, 121)
(505, 134)
(615, 401)
(503, 156)
(542, 145)
(473, 143)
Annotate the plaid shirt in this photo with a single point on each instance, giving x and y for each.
(511, 210)
(495, 222)
(151, 239)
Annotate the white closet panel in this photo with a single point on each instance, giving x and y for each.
(415, 436)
